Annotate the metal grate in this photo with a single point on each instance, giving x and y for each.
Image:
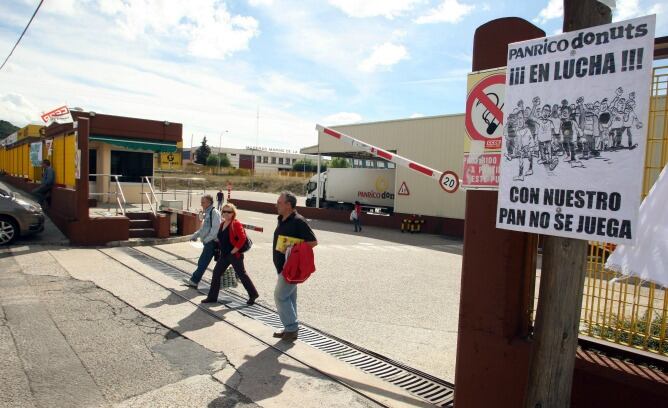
(424, 386)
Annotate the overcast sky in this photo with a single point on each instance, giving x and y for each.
(211, 64)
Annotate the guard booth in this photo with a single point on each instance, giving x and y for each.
(98, 159)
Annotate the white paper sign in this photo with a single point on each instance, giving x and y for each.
(58, 115)
(575, 132)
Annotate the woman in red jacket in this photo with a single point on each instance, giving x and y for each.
(231, 238)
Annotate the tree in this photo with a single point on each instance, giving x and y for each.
(308, 165)
(203, 152)
(213, 160)
(339, 162)
(6, 129)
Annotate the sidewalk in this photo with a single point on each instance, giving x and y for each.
(107, 335)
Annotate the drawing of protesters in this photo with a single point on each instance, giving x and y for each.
(630, 118)
(569, 129)
(617, 122)
(545, 134)
(509, 132)
(604, 122)
(588, 125)
(525, 143)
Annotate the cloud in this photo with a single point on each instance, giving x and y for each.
(259, 3)
(554, 9)
(627, 9)
(453, 75)
(206, 26)
(17, 109)
(279, 85)
(450, 11)
(342, 118)
(374, 8)
(384, 56)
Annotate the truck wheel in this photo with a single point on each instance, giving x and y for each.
(9, 230)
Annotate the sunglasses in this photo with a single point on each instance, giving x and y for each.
(227, 212)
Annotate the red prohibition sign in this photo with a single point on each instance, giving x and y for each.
(449, 181)
(478, 93)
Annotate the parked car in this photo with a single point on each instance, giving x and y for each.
(19, 217)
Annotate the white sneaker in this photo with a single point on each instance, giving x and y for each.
(190, 283)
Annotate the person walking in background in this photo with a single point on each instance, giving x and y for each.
(291, 229)
(220, 197)
(231, 239)
(48, 180)
(207, 234)
(357, 219)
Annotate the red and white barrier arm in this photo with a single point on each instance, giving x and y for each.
(391, 157)
(253, 227)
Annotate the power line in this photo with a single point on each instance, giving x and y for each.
(24, 31)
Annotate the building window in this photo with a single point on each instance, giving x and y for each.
(280, 160)
(92, 164)
(233, 154)
(258, 159)
(273, 160)
(391, 165)
(265, 159)
(131, 165)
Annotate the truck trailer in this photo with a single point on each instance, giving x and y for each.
(341, 187)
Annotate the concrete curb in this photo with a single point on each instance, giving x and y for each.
(132, 242)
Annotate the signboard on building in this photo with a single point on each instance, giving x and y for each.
(574, 147)
(36, 154)
(169, 160)
(11, 139)
(484, 129)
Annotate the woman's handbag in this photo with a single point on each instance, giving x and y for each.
(353, 215)
(229, 278)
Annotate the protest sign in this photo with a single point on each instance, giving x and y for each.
(576, 108)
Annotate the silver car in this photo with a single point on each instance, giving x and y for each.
(18, 217)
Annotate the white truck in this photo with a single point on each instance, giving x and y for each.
(341, 187)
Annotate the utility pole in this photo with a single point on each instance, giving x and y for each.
(220, 149)
(562, 279)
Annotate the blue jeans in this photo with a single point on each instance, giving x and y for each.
(204, 261)
(285, 296)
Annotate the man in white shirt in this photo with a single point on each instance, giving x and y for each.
(207, 234)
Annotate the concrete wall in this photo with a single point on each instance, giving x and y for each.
(437, 142)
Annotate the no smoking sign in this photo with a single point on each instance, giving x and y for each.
(484, 111)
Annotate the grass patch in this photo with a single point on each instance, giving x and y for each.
(242, 182)
(633, 334)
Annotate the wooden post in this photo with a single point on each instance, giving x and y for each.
(562, 279)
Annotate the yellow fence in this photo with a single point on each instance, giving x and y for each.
(15, 160)
(626, 310)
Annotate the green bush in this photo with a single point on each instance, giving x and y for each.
(213, 159)
(308, 166)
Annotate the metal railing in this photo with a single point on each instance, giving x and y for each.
(188, 192)
(621, 309)
(150, 195)
(617, 308)
(118, 193)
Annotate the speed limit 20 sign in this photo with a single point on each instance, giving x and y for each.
(449, 181)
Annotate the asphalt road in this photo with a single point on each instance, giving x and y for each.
(396, 294)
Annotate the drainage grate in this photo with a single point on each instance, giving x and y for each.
(421, 385)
